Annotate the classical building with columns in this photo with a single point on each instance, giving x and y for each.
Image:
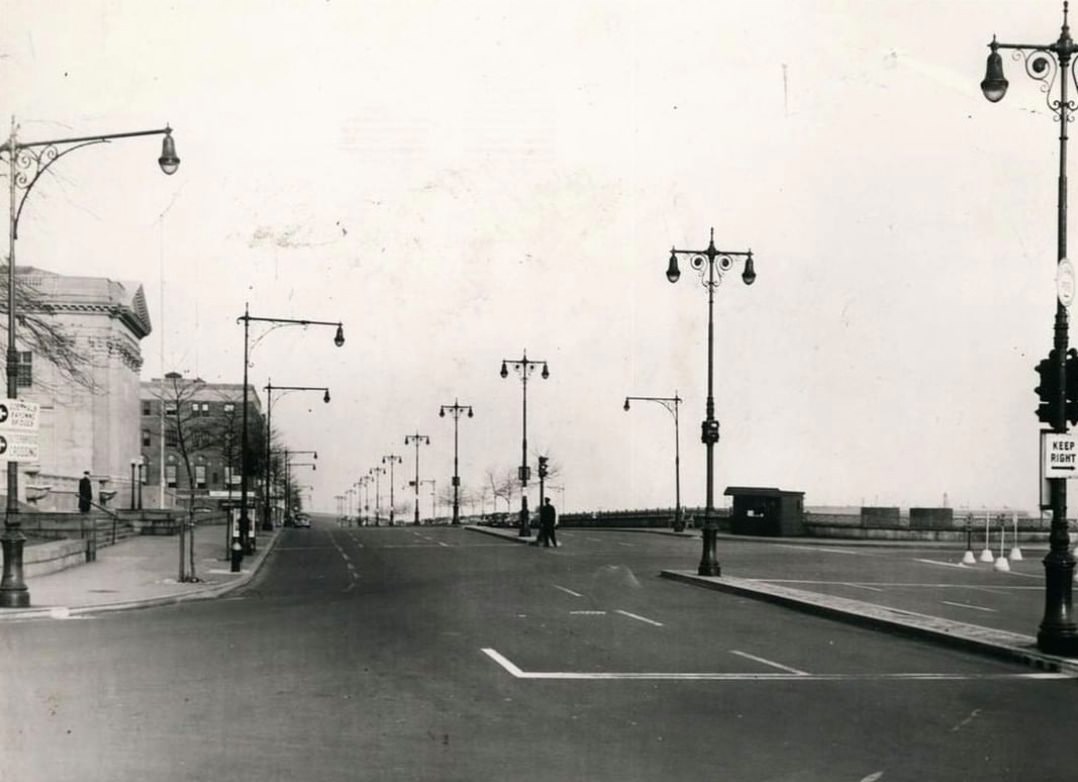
(94, 426)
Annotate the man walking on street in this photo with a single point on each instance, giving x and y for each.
(86, 493)
(548, 518)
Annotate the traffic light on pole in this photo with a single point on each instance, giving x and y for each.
(542, 466)
(1072, 386)
(1048, 388)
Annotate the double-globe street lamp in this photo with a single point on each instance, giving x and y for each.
(1058, 633)
(376, 473)
(524, 366)
(711, 264)
(241, 544)
(27, 161)
(417, 439)
(267, 511)
(392, 459)
(671, 404)
(456, 410)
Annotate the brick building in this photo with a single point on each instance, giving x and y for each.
(206, 420)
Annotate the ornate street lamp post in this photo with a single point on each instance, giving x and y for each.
(1045, 62)
(671, 404)
(27, 161)
(455, 410)
(391, 459)
(267, 510)
(418, 439)
(242, 543)
(377, 473)
(524, 367)
(711, 264)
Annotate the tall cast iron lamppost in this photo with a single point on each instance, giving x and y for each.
(1045, 62)
(524, 367)
(242, 542)
(711, 264)
(391, 459)
(27, 161)
(377, 473)
(267, 514)
(418, 439)
(455, 410)
(671, 404)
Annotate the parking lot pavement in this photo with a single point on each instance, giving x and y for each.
(140, 571)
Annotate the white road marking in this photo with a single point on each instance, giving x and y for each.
(588, 613)
(967, 605)
(827, 550)
(640, 618)
(627, 545)
(442, 543)
(862, 586)
(516, 672)
(967, 567)
(568, 591)
(772, 663)
(937, 562)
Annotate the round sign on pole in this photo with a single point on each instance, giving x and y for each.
(1065, 282)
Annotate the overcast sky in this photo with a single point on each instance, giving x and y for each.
(461, 181)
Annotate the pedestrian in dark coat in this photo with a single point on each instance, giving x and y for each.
(86, 492)
(548, 519)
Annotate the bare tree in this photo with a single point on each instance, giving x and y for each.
(189, 432)
(40, 331)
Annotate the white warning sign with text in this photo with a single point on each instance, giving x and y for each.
(1060, 453)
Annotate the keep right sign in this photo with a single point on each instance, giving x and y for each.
(1060, 452)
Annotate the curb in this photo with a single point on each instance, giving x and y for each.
(1001, 644)
(206, 592)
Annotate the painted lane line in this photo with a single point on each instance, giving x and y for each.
(827, 550)
(627, 545)
(640, 618)
(772, 663)
(588, 613)
(442, 543)
(967, 567)
(862, 586)
(568, 591)
(517, 673)
(967, 605)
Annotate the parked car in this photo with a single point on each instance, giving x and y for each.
(302, 520)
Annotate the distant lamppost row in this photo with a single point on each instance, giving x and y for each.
(524, 366)
(391, 459)
(377, 473)
(27, 161)
(455, 410)
(711, 265)
(418, 439)
(1058, 633)
(671, 404)
(267, 512)
(243, 541)
(365, 485)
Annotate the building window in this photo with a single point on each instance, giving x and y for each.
(200, 476)
(229, 407)
(205, 408)
(24, 378)
(145, 438)
(171, 440)
(170, 408)
(170, 475)
(147, 408)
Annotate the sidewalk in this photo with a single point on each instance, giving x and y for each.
(994, 641)
(138, 572)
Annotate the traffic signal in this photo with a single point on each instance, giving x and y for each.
(1048, 388)
(542, 465)
(1072, 386)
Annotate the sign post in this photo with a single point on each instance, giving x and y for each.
(18, 430)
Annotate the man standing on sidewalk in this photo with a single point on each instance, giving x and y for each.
(86, 492)
(548, 518)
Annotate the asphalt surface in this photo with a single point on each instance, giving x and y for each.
(437, 653)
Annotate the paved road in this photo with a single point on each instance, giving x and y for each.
(435, 653)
